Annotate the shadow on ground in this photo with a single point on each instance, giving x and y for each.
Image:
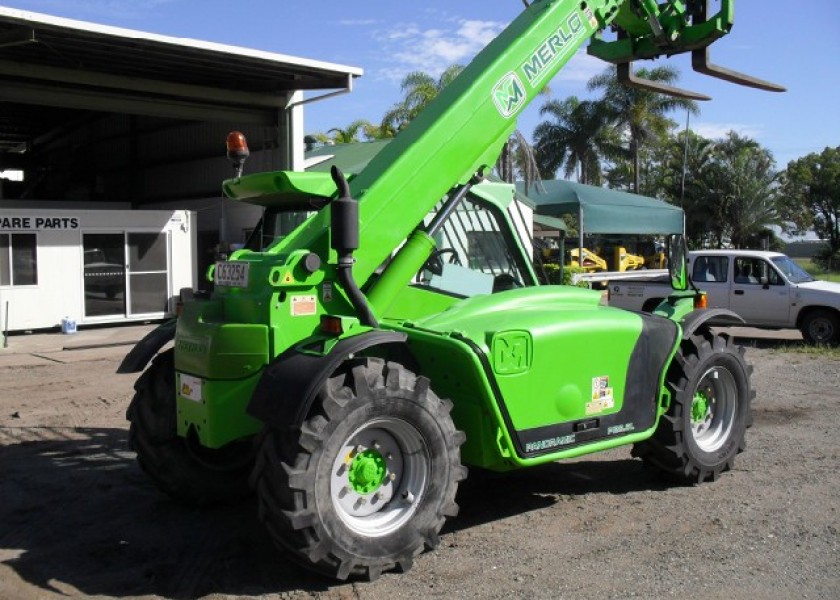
(78, 516)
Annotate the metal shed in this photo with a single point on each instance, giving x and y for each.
(55, 72)
(100, 119)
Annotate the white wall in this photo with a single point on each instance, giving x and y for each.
(59, 292)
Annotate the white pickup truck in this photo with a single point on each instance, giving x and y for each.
(766, 289)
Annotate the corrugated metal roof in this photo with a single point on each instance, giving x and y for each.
(61, 63)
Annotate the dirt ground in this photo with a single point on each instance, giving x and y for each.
(79, 519)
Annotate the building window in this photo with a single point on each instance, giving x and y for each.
(18, 259)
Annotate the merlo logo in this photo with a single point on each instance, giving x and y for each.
(509, 95)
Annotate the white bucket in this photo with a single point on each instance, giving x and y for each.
(68, 325)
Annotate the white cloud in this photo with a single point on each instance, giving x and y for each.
(581, 68)
(716, 131)
(409, 47)
(357, 22)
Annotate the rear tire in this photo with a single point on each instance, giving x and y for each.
(368, 480)
(821, 326)
(180, 467)
(704, 428)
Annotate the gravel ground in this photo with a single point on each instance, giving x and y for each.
(79, 519)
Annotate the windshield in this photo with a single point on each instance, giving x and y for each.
(274, 226)
(792, 271)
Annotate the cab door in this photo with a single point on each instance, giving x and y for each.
(760, 295)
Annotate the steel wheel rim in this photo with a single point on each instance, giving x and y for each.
(713, 409)
(379, 476)
(821, 330)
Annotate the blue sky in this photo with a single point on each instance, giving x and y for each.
(791, 43)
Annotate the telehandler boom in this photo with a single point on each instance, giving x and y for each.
(382, 329)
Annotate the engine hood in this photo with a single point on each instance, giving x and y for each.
(536, 310)
(828, 292)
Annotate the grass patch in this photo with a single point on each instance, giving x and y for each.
(822, 351)
(817, 271)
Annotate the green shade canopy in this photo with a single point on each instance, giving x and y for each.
(606, 211)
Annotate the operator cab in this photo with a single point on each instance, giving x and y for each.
(475, 252)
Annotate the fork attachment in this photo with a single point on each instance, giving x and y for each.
(647, 30)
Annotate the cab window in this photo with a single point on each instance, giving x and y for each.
(474, 254)
(710, 269)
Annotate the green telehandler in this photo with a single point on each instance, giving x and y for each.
(383, 329)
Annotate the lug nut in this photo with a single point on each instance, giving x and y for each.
(408, 497)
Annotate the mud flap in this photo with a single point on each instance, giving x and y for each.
(711, 316)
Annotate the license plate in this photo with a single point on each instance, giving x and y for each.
(232, 274)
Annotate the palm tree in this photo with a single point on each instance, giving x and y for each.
(641, 113)
(418, 89)
(349, 134)
(747, 182)
(518, 161)
(574, 140)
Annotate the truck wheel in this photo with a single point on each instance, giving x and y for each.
(367, 481)
(821, 327)
(704, 428)
(180, 467)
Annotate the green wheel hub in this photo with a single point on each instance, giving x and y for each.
(699, 408)
(378, 476)
(713, 408)
(367, 471)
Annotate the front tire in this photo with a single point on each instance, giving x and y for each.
(821, 327)
(179, 466)
(368, 480)
(705, 425)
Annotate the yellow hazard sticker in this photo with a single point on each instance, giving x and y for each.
(602, 396)
(287, 278)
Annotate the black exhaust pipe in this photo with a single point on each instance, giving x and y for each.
(344, 239)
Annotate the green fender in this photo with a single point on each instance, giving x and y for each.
(288, 386)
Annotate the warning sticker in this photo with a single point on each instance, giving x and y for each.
(190, 387)
(602, 396)
(304, 306)
(327, 291)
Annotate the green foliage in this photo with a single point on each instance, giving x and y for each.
(822, 267)
(637, 112)
(811, 349)
(349, 134)
(418, 89)
(728, 188)
(552, 271)
(574, 139)
(812, 195)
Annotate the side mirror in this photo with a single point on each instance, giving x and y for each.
(678, 262)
